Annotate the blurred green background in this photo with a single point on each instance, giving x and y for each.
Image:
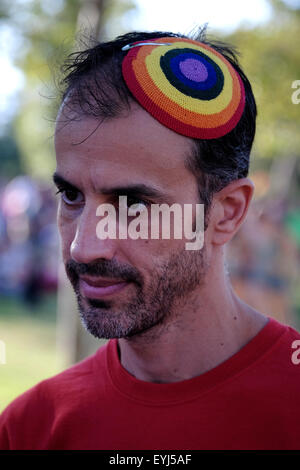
(40, 333)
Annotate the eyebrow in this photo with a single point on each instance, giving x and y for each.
(59, 181)
(137, 190)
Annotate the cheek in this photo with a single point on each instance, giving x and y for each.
(147, 255)
(162, 239)
(67, 231)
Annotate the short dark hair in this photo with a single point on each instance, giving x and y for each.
(93, 81)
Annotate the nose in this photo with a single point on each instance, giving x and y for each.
(86, 246)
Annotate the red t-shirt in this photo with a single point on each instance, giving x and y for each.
(250, 401)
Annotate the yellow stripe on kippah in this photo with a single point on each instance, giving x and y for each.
(190, 117)
(165, 102)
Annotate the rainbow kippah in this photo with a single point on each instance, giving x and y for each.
(186, 85)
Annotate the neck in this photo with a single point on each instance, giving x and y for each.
(199, 335)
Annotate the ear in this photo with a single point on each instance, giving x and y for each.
(229, 208)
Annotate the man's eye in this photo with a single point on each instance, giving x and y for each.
(135, 205)
(70, 196)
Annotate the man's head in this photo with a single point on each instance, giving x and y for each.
(94, 79)
(108, 145)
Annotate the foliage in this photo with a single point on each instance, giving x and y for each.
(11, 164)
(271, 59)
(47, 29)
(30, 347)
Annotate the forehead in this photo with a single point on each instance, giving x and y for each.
(122, 149)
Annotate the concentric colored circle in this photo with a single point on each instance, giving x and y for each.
(208, 89)
(193, 70)
(186, 85)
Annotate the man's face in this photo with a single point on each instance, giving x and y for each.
(124, 286)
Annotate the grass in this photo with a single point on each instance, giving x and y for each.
(30, 346)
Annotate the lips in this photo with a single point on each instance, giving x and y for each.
(94, 288)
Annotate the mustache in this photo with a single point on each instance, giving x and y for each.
(105, 268)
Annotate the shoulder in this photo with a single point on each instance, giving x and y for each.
(283, 345)
(288, 355)
(276, 368)
(287, 347)
(35, 411)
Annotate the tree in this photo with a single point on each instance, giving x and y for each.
(271, 59)
(47, 29)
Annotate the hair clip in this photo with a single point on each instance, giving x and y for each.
(130, 46)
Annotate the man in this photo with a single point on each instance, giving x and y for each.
(160, 119)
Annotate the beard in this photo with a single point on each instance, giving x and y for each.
(148, 304)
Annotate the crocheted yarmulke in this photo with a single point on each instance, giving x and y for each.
(186, 85)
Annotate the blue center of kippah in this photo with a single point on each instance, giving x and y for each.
(204, 82)
(177, 66)
(194, 70)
